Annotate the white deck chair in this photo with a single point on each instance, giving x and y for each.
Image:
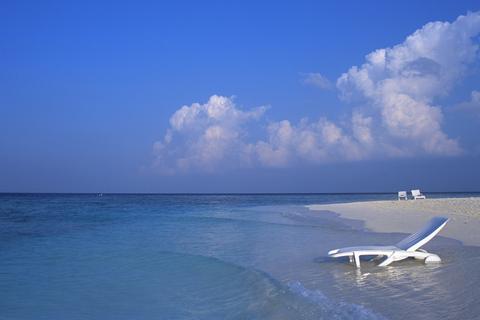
(407, 248)
(402, 195)
(416, 194)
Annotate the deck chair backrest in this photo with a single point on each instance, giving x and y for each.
(418, 239)
(416, 192)
(402, 194)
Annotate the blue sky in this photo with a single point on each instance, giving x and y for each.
(276, 97)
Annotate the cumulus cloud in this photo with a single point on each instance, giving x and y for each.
(203, 135)
(214, 135)
(473, 105)
(317, 80)
(397, 88)
(403, 81)
(315, 142)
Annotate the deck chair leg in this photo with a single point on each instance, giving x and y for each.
(387, 261)
(357, 259)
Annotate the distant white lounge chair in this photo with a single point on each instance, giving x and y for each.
(407, 248)
(402, 195)
(416, 194)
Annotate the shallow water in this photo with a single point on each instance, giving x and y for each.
(214, 257)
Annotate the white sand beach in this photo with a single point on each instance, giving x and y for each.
(408, 216)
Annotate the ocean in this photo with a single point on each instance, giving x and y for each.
(154, 256)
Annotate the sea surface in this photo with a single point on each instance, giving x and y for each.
(86, 256)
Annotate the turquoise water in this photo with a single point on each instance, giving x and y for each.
(214, 257)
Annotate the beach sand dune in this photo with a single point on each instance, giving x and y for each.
(408, 216)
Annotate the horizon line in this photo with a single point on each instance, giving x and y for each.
(225, 193)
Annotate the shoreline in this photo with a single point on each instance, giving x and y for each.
(409, 216)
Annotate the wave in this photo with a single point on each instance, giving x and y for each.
(331, 309)
(231, 291)
(280, 219)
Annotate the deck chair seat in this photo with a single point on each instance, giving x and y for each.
(407, 248)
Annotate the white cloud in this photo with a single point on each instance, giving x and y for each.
(396, 87)
(314, 142)
(473, 105)
(402, 82)
(317, 80)
(214, 135)
(204, 135)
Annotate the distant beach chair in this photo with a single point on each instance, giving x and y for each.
(416, 194)
(407, 248)
(402, 195)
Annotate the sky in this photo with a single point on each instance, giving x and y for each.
(217, 96)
